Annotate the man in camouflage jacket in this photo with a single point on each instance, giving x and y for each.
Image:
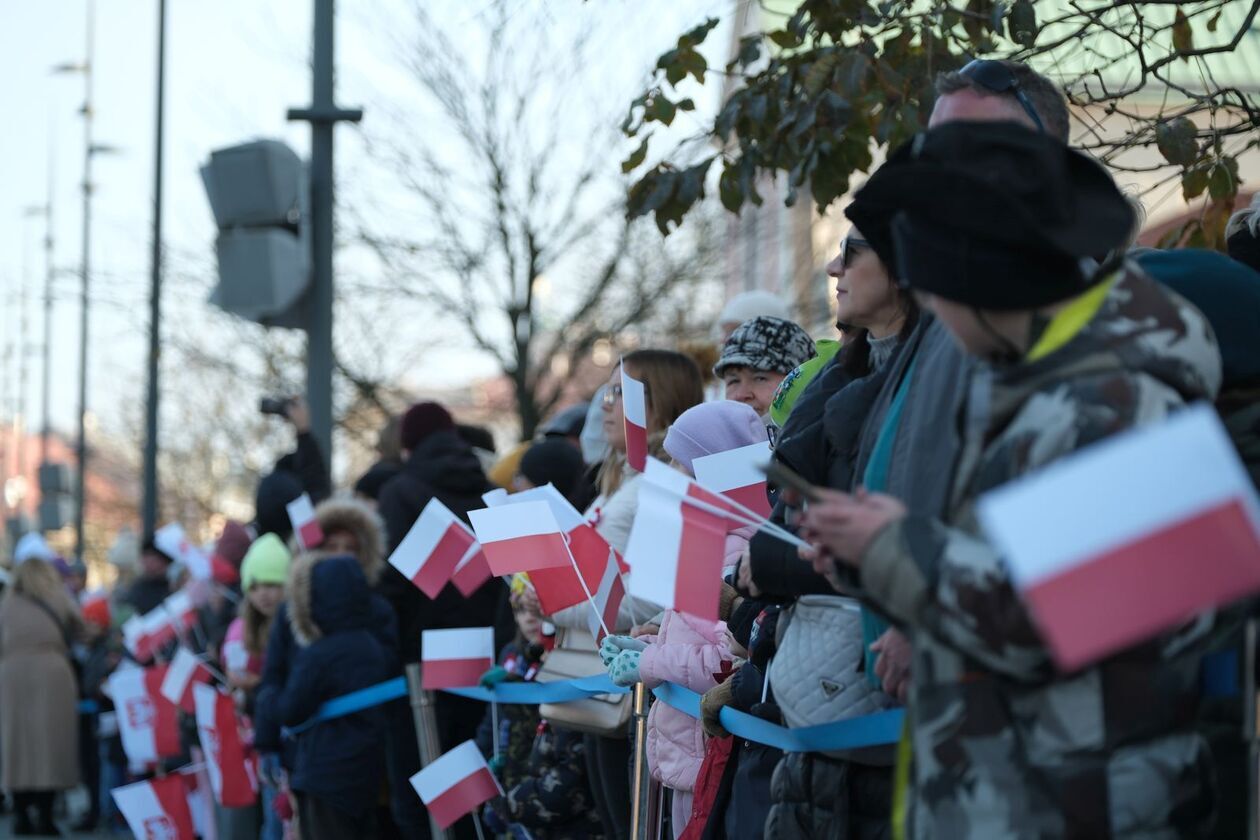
(1003, 744)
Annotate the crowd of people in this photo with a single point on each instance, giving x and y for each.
(994, 317)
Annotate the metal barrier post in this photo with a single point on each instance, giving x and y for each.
(645, 817)
(426, 732)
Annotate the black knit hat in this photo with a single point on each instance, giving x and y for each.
(996, 216)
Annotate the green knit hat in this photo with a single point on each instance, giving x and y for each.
(267, 561)
(794, 383)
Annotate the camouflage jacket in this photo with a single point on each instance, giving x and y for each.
(1003, 745)
(553, 800)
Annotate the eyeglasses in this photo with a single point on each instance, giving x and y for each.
(850, 247)
(611, 395)
(996, 77)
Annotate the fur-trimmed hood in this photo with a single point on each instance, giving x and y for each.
(328, 594)
(361, 519)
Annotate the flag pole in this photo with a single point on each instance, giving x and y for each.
(589, 597)
(747, 518)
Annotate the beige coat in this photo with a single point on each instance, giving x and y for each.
(39, 728)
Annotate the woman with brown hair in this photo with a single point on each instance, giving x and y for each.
(672, 384)
(38, 719)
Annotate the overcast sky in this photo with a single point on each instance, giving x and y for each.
(233, 68)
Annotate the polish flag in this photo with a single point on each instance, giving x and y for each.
(432, 549)
(156, 809)
(634, 407)
(456, 658)
(606, 601)
(147, 721)
(676, 548)
(559, 588)
(235, 656)
(184, 672)
(472, 571)
(136, 640)
(738, 474)
(305, 525)
(174, 543)
(227, 761)
(171, 619)
(520, 537)
(1130, 537)
(200, 799)
(456, 784)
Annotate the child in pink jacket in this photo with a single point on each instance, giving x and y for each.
(686, 650)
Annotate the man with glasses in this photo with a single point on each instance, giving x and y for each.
(987, 89)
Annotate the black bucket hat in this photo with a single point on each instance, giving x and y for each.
(997, 216)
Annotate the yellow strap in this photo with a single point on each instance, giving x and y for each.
(901, 782)
(1071, 319)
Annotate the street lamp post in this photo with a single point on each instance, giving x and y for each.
(89, 151)
(155, 294)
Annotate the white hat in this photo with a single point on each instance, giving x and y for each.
(749, 305)
(31, 547)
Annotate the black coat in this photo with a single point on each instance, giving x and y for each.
(303, 470)
(341, 760)
(444, 467)
(282, 651)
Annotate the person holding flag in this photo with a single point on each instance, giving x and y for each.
(1074, 352)
(687, 650)
(671, 384)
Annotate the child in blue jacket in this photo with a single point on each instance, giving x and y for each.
(339, 762)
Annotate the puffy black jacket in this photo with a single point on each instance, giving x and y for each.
(341, 760)
(444, 467)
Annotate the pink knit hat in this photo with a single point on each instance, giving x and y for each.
(713, 427)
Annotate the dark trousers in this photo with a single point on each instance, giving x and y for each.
(608, 773)
(320, 821)
(33, 803)
(90, 766)
(457, 721)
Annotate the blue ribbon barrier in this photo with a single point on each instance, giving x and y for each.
(535, 693)
(355, 701)
(854, 733)
(88, 707)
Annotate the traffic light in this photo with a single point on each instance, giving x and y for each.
(258, 193)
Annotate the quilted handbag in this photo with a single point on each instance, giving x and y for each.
(816, 674)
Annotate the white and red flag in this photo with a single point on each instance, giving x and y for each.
(606, 600)
(738, 474)
(184, 672)
(156, 809)
(174, 543)
(1130, 537)
(147, 722)
(634, 407)
(432, 549)
(456, 658)
(677, 543)
(520, 537)
(472, 571)
(227, 762)
(136, 639)
(305, 524)
(456, 784)
(559, 587)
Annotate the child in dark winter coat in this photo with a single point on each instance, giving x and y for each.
(339, 762)
(542, 770)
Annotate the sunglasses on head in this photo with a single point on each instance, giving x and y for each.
(850, 247)
(996, 77)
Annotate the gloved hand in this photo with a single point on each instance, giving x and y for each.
(711, 706)
(493, 677)
(496, 765)
(270, 769)
(495, 815)
(624, 670)
(728, 600)
(614, 645)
